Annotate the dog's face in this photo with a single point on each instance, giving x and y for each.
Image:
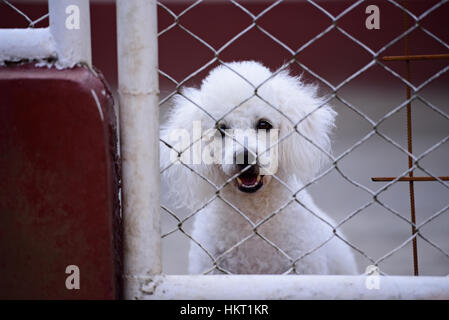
(256, 126)
(247, 143)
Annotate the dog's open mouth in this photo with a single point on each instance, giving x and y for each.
(250, 181)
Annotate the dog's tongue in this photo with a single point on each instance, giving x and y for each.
(248, 180)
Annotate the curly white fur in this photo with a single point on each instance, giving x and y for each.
(218, 227)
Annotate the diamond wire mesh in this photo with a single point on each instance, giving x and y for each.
(374, 195)
(215, 261)
(31, 22)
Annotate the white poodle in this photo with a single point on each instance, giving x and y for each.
(247, 220)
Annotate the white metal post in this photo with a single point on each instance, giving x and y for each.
(70, 28)
(139, 132)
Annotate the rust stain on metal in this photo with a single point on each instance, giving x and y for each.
(383, 179)
(416, 57)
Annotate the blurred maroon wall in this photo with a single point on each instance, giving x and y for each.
(333, 56)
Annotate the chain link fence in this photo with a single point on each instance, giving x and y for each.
(177, 227)
(20, 10)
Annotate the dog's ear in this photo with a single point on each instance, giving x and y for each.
(310, 122)
(177, 178)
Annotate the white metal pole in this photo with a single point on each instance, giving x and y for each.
(70, 28)
(139, 133)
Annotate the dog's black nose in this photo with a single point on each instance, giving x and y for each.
(251, 171)
(244, 158)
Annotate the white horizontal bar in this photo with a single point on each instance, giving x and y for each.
(19, 44)
(261, 287)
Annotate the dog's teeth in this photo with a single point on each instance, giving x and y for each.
(240, 182)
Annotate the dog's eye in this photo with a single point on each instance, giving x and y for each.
(221, 128)
(264, 125)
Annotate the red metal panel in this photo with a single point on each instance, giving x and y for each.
(59, 175)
